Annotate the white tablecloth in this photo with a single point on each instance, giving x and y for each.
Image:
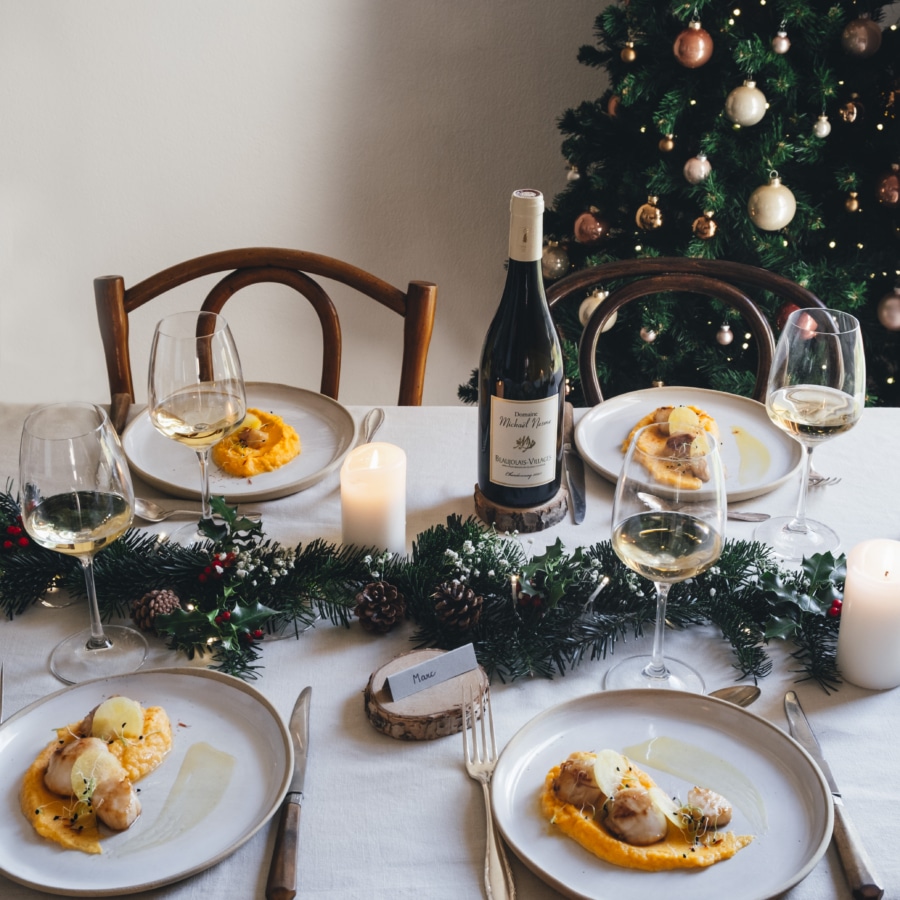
(389, 819)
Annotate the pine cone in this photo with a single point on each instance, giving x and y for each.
(151, 605)
(380, 606)
(457, 606)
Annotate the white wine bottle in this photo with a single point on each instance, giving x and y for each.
(521, 386)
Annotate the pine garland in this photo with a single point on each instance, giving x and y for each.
(540, 615)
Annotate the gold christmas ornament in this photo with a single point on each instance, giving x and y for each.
(705, 227)
(851, 110)
(861, 37)
(746, 105)
(697, 169)
(649, 215)
(590, 303)
(554, 261)
(771, 206)
(612, 106)
(667, 144)
(822, 127)
(693, 47)
(648, 335)
(887, 188)
(781, 43)
(889, 310)
(851, 204)
(628, 54)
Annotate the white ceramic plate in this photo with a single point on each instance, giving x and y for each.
(203, 706)
(790, 836)
(758, 456)
(327, 433)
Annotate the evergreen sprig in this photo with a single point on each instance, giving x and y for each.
(542, 614)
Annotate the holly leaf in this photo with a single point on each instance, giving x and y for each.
(824, 567)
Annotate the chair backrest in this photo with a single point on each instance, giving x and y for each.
(293, 268)
(631, 279)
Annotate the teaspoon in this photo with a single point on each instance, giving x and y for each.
(371, 423)
(738, 694)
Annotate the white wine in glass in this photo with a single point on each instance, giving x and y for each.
(667, 531)
(77, 498)
(196, 390)
(816, 391)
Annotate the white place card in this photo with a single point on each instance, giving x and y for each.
(433, 671)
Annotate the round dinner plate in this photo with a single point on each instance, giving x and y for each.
(778, 793)
(204, 707)
(758, 456)
(327, 433)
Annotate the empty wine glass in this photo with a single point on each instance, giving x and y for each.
(667, 546)
(77, 498)
(196, 390)
(816, 391)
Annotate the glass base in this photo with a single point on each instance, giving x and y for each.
(73, 662)
(632, 673)
(187, 535)
(797, 543)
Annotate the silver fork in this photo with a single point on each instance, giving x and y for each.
(817, 479)
(481, 759)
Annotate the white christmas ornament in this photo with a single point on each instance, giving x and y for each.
(746, 105)
(590, 303)
(697, 169)
(771, 206)
(822, 127)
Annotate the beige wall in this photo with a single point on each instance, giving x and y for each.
(138, 133)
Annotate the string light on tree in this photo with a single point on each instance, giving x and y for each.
(694, 46)
(746, 105)
(772, 206)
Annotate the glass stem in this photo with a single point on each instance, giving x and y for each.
(205, 508)
(656, 668)
(98, 639)
(798, 523)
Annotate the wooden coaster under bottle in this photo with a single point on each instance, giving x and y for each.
(524, 521)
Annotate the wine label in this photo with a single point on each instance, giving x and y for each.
(523, 441)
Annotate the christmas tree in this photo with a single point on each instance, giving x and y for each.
(765, 132)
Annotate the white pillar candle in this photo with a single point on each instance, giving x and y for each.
(373, 497)
(868, 652)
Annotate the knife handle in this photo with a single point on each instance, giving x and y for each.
(282, 880)
(857, 865)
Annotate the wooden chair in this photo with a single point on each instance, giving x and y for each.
(631, 279)
(255, 265)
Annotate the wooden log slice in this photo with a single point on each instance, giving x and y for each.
(525, 521)
(425, 715)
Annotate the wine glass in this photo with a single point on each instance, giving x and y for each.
(196, 390)
(816, 391)
(77, 498)
(668, 524)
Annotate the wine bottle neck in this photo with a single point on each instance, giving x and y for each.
(526, 233)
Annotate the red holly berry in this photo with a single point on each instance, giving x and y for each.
(23, 541)
(258, 633)
(835, 609)
(226, 615)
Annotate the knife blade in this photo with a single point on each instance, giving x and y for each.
(574, 467)
(854, 858)
(282, 881)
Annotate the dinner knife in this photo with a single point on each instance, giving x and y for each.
(282, 881)
(857, 865)
(574, 467)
